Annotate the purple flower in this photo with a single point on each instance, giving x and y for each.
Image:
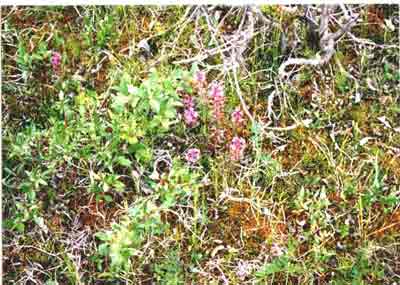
(237, 147)
(237, 117)
(200, 77)
(217, 101)
(192, 155)
(191, 117)
(56, 60)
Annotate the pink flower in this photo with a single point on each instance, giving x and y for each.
(192, 155)
(191, 117)
(56, 60)
(188, 101)
(237, 117)
(217, 101)
(200, 77)
(237, 147)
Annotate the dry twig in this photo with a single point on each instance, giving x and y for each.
(327, 43)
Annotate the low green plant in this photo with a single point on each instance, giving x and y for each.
(376, 193)
(282, 264)
(28, 174)
(170, 270)
(124, 239)
(26, 60)
(143, 219)
(147, 111)
(79, 131)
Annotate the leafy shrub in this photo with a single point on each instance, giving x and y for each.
(80, 131)
(143, 219)
(169, 271)
(121, 242)
(147, 111)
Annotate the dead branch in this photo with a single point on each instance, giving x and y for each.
(327, 42)
(243, 103)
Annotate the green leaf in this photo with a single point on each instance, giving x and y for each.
(133, 90)
(123, 161)
(169, 111)
(119, 102)
(124, 83)
(103, 249)
(107, 198)
(39, 221)
(143, 155)
(103, 236)
(31, 196)
(155, 105)
(19, 227)
(280, 264)
(119, 186)
(134, 101)
(51, 282)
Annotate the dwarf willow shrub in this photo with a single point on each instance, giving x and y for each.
(141, 113)
(143, 220)
(94, 137)
(123, 240)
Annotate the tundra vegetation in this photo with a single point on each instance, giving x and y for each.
(201, 144)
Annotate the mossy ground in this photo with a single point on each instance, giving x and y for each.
(316, 204)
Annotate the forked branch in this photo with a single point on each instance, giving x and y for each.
(327, 43)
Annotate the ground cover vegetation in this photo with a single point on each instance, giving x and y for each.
(201, 145)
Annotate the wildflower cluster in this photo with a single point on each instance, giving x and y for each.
(200, 79)
(237, 117)
(217, 101)
(56, 60)
(190, 115)
(236, 148)
(192, 155)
